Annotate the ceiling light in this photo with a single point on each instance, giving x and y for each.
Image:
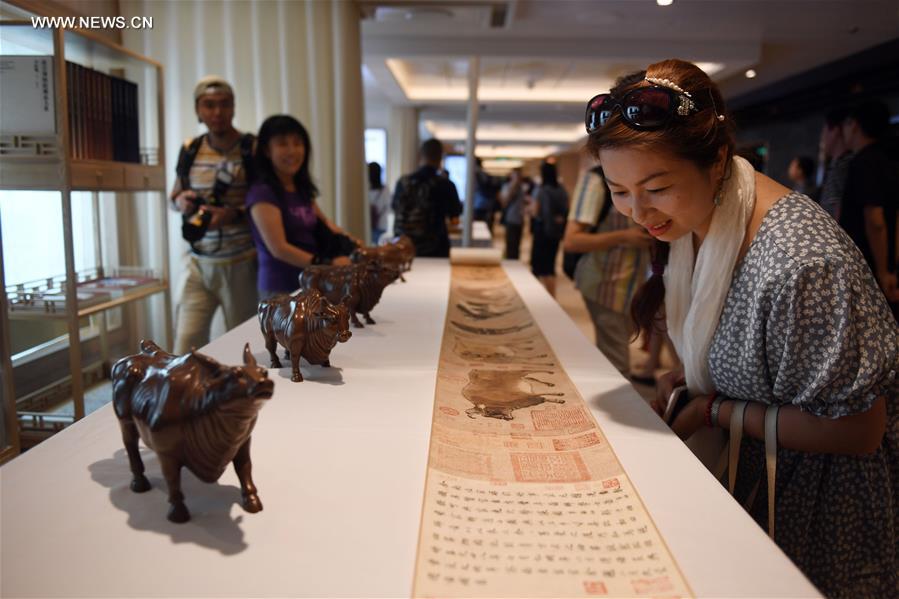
(556, 132)
(750, 74)
(664, 2)
(519, 151)
(710, 68)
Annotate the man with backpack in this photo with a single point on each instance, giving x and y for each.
(613, 265)
(212, 176)
(423, 202)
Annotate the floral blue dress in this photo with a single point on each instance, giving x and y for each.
(804, 323)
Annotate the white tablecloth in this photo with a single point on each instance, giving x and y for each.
(339, 461)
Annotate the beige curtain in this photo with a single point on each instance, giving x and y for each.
(300, 57)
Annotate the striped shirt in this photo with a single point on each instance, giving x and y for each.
(609, 277)
(834, 185)
(235, 240)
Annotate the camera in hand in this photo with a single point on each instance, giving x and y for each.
(195, 224)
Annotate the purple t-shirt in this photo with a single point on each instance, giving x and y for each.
(298, 216)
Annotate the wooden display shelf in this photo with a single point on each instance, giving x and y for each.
(46, 173)
(59, 313)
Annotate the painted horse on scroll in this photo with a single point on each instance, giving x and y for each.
(497, 393)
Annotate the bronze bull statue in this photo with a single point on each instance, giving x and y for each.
(192, 411)
(397, 253)
(307, 325)
(497, 393)
(359, 286)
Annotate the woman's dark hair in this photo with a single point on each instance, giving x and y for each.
(273, 126)
(806, 164)
(548, 175)
(374, 176)
(698, 138)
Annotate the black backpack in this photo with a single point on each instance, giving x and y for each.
(415, 213)
(570, 259)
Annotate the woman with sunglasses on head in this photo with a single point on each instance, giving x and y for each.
(286, 222)
(778, 321)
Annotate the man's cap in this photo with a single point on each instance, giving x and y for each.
(212, 84)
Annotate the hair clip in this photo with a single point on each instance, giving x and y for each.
(669, 84)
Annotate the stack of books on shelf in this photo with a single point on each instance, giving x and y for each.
(103, 116)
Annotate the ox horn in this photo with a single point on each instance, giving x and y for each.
(248, 357)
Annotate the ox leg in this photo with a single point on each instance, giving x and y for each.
(549, 397)
(295, 350)
(139, 482)
(171, 470)
(402, 278)
(249, 500)
(369, 319)
(271, 344)
(355, 319)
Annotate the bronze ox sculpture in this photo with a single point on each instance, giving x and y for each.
(359, 286)
(307, 325)
(398, 253)
(497, 393)
(192, 411)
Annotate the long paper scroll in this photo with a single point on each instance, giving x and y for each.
(524, 497)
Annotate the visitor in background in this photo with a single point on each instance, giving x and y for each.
(801, 173)
(835, 158)
(424, 202)
(484, 196)
(550, 208)
(210, 189)
(772, 311)
(871, 196)
(513, 199)
(613, 264)
(378, 202)
(289, 228)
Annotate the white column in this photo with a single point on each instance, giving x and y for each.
(402, 142)
(474, 68)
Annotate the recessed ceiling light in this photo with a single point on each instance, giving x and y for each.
(664, 2)
(750, 74)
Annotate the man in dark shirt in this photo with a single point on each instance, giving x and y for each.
(872, 187)
(423, 202)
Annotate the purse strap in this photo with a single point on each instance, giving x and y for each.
(736, 438)
(771, 461)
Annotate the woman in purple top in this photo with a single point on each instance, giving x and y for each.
(281, 203)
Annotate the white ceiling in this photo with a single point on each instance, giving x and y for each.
(542, 59)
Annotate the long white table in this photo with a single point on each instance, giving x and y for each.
(340, 461)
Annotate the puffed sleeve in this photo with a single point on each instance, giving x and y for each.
(832, 342)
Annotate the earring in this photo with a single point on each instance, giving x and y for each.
(717, 200)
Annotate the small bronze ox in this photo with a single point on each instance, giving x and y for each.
(307, 325)
(193, 412)
(497, 393)
(359, 286)
(397, 253)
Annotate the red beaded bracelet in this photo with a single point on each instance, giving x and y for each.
(708, 410)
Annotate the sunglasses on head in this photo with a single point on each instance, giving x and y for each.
(645, 108)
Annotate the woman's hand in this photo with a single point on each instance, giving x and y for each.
(691, 418)
(341, 261)
(664, 386)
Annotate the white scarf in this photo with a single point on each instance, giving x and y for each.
(694, 297)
